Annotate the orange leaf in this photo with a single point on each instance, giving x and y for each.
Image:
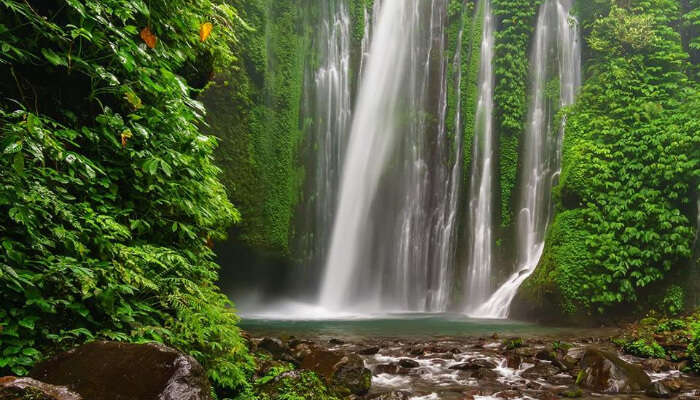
(126, 135)
(205, 30)
(149, 37)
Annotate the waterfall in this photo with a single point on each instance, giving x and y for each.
(480, 228)
(556, 38)
(331, 115)
(392, 240)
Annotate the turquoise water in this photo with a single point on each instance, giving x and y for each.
(402, 325)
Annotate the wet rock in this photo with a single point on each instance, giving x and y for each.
(391, 369)
(345, 372)
(408, 363)
(540, 371)
(264, 366)
(351, 374)
(13, 388)
(526, 352)
(674, 384)
(603, 371)
(368, 351)
(656, 365)
(484, 374)
(336, 342)
(508, 394)
(561, 380)
(274, 346)
(659, 391)
(474, 364)
(298, 384)
(513, 360)
(116, 371)
(397, 395)
(543, 395)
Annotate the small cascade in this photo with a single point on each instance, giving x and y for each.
(392, 241)
(556, 38)
(481, 187)
(331, 115)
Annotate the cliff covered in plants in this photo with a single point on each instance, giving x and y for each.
(626, 204)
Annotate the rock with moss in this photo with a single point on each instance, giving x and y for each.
(293, 385)
(603, 371)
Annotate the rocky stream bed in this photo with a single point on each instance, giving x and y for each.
(492, 367)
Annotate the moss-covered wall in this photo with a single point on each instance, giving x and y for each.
(516, 23)
(255, 111)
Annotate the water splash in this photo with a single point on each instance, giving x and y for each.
(556, 37)
(392, 237)
(332, 116)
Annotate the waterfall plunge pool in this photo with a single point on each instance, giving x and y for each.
(321, 324)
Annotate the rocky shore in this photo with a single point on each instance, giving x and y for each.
(476, 368)
(365, 368)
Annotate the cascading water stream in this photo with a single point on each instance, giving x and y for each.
(392, 240)
(556, 36)
(481, 187)
(331, 115)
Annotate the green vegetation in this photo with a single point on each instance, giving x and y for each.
(631, 154)
(643, 348)
(674, 339)
(108, 193)
(283, 383)
(516, 23)
(254, 108)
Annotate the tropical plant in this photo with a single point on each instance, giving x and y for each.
(109, 200)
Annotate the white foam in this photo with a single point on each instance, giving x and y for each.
(388, 380)
(432, 396)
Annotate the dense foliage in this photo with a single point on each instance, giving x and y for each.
(255, 111)
(516, 21)
(631, 164)
(674, 339)
(109, 199)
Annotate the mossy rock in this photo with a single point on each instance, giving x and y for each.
(294, 385)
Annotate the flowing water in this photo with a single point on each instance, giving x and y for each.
(556, 55)
(481, 185)
(331, 115)
(392, 240)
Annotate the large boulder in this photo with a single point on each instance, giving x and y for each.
(603, 371)
(13, 388)
(121, 371)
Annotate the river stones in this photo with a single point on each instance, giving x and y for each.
(344, 372)
(395, 395)
(117, 371)
(13, 388)
(656, 365)
(274, 346)
(475, 364)
(368, 351)
(659, 391)
(408, 363)
(391, 369)
(541, 370)
(603, 371)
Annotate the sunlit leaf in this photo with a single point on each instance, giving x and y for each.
(205, 30)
